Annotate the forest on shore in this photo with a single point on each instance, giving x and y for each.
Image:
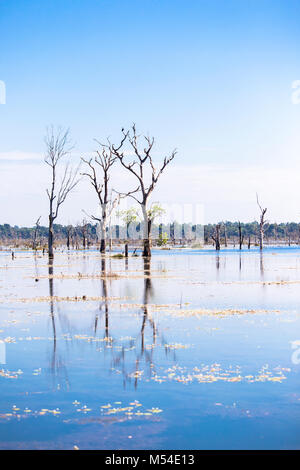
(85, 234)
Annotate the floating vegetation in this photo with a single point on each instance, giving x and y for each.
(215, 373)
(10, 375)
(132, 410)
(176, 346)
(56, 298)
(79, 276)
(177, 311)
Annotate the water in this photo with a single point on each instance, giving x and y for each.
(194, 351)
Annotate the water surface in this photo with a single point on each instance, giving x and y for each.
(192, 351)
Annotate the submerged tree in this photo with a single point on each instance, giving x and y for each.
(262, 222)
(225, 235)
(216, 236)
(58, 146)
(140, 167)
(69, 231)
(103, 161)
(241, 236)
(35, 234)
(84, 233)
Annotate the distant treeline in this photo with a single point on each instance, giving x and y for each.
(289, 231)
(229, 231)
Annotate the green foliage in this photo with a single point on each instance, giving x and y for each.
(155, 211)
(162, 239)
(128, 216)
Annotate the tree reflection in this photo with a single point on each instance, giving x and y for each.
(57, 366)
(131, 367)
(261, 264)
(217, 261)
(104, 303)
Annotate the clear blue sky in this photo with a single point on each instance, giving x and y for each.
(212, 78)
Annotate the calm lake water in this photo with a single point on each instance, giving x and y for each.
(194, 351)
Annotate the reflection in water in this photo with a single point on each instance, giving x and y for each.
(261, 263)
(57, 366)
(131, 355)
(36, 267)
(136, 309)
(105, 296)
(104, 302)
(50, 272)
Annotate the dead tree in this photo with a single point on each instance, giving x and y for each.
(225, 235)
(139, 167)
(216, 237)
(35, 234)
(69, 235)
(57, 147)
(241, 236)
(84, 232)
(262, 222)
(103, 160)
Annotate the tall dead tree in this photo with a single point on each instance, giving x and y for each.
(262, 222)
(58, 146)
(35, 234)
(139, 167)
(84, 232)
(225, 235)
(103, 161)
(69, 235)
(216, 237)
(241, 236)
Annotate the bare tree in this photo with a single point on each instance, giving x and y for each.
(216, 236)
(57, 147)
(262, 222)
(241, 236)
(225, 235)
(84, 232)
(103, 160)
(69, 235)
(142, 163)
(35, 234)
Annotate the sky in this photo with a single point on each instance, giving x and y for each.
(216, 79)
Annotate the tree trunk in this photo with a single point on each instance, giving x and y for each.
(50, 238)
(241, 238)
(261, 236)
(147, 249)
(216, 238)
(103, 235)
(225, 236)
(147, 231)
(126, 250)
(102, 245)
